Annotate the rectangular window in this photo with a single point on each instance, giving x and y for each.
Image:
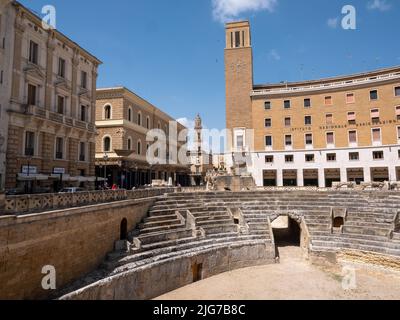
(378, 155)
(33, 52)
(239, 141)
(267, 105)
(82, 151)
(351, 117)
(398, 112)
(350, 98)
(288, 122)
(60, 104)
(286, 104)
(328, 101)
(83, 80)
(61, 67)
(397, 91)
(375, 116)
(310, 158)
(309, 139)
(307, 103)
(373, 95)
(329, 119)
(268, 141)
(376, 135)
(1, 76)
(289, 158)
(353, 136)
(29, 144)
(330, 138)
(83, 113)
(308, 120)
(398, 133)
(31, 95)
(288, 140)
(59, 148)
(331, 157)
(354, 156)
(269, 159)
(237, 39)
(268, 123)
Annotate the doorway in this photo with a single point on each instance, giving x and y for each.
(124, 229)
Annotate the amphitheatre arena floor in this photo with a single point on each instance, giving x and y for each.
(292, 279)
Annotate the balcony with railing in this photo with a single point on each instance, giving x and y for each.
(57, 117)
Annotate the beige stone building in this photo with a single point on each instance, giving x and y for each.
(311, 133)
(123, 121)
(48, 106)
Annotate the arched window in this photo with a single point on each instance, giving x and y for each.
(139, 147)
(107, 144)
(148, 123)
(130, 114)
(107, 112)
(124, 229)
(129, 144)
(139, 119)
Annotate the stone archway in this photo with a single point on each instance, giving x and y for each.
(290, 233)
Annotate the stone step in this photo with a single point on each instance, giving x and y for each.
(205, 219)
(161, 228)
(160, 218)
(322, 234)
(162, 223)
(225, 222)
(366, 230)
(370, 248)
(343, 239)
(164, 236)
(172, 251)
(217, 228)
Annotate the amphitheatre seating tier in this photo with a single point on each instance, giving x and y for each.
(186, 224)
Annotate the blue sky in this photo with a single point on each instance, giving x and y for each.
(172, 52)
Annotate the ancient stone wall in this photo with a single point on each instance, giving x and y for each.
(74, 241)
(161, 277)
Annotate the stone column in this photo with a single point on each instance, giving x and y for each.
(16, 77)
(300, 178)
(392, 174)
(321, 178)
(367, 175)
(279, 178)
(51, 44)
(343, 175)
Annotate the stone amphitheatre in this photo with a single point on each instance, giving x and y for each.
(257, 244)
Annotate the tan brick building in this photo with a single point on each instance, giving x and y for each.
(50, 106)
(312, 133)
(123, 121)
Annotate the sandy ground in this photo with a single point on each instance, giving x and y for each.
(294, 279)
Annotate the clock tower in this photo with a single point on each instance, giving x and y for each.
(238, 80)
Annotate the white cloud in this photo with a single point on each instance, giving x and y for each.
(186, 122)
(381, 5)
(228, 10)
(333, 23)
(274, 55)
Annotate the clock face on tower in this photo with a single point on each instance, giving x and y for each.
(238, 66)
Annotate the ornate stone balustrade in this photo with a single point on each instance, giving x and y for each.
(16, 205)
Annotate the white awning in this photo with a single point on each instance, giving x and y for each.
(32, 177)
(65, 177)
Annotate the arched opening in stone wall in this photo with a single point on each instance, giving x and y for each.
(338, 222)
(124, 229)
(197, 271)
(286, 232)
